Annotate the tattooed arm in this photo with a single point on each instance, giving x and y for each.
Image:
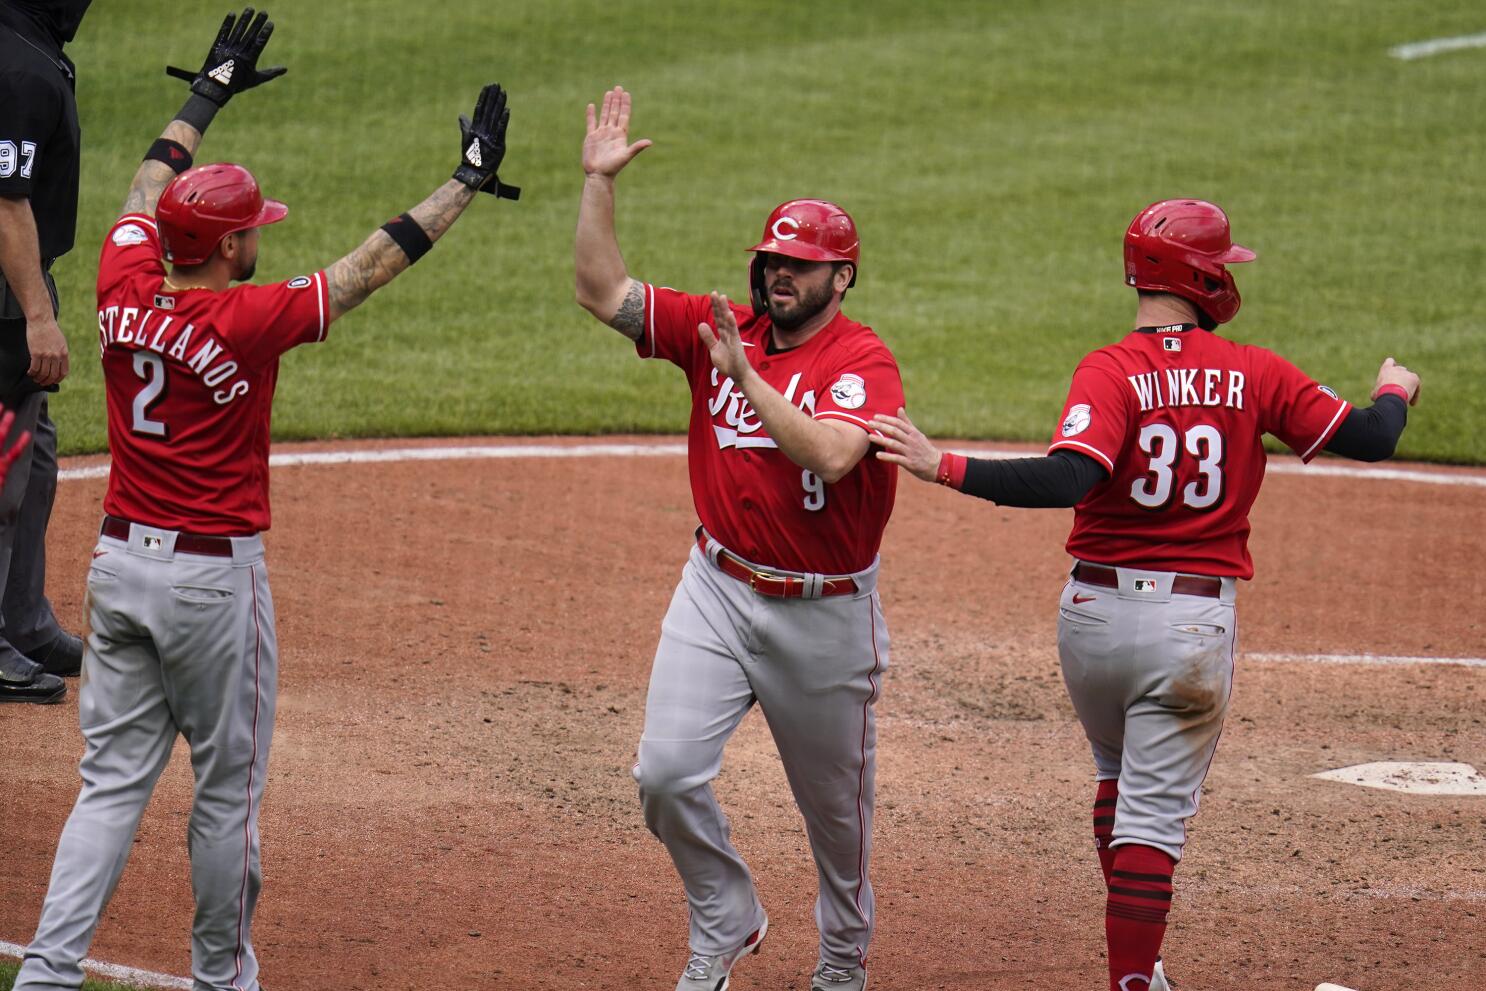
(605, 288)
(151, 178)
(379, 259)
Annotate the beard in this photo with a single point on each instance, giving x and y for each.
(807, 304)
(247, 274)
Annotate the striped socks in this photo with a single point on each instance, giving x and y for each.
(1135, 913)
(1104, 815)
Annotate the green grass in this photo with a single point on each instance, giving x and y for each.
(8, 971)
(991, 154)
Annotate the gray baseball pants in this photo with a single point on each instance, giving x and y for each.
(815, 667)
(1149, 673)
(180, 643)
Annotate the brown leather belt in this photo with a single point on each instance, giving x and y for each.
(1106, 577)
(185, 543)
(772, 585)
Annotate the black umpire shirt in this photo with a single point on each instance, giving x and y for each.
(39, 135)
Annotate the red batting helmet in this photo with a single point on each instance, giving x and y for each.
(1183, 247)
(205, 204)
(813, 230)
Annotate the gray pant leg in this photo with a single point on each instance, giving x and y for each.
(129, 732)
(820, 672)
(29, 620)
(220, 657)
(22, 542)
(699, 692)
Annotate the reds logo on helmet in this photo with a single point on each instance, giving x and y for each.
(1183, 247)
(813, 230)
(205, 204)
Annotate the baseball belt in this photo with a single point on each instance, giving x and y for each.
(185, 543)
(1106, 577)
(777, 586)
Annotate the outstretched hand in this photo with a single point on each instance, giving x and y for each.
(231, 65)
(482, 144)
(904, 445)
(725, 345)
(606, 147)
(1392, 373)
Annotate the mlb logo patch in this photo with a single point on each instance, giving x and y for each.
(1145, 584)
(1171, 343)
(152, 542)
(164, 302)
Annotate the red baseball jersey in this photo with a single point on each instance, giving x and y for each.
(1177, 418)
(755, 501)
(189, 377)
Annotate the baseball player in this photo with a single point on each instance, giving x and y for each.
(778, 602)
(182, 619)
(1159, 449)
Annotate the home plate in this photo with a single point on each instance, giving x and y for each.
(1414, 777)
(1331, 987)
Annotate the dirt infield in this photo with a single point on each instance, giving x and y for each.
(464, 653)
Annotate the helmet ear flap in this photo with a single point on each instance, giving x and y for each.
(756, 292)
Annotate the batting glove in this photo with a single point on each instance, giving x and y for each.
(482, 144)
(232, 64)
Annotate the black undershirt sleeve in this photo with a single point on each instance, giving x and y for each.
(1059, 480)
(1371, 434)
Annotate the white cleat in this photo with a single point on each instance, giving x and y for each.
(1158, 978)
(710, 973)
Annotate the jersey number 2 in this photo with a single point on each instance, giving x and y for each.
(1203, 442)
(151, 369)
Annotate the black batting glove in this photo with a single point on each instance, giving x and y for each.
(482, 144)
(232, 64)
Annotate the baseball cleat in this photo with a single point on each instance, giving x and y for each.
(828, 977)
(1158, 978)
(710, 973)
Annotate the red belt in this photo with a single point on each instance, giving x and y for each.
(772, 585)
(1105, 577)
(185, 543)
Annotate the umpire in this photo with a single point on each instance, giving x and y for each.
(39, 144)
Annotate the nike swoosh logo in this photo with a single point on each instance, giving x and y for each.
(1080, 599)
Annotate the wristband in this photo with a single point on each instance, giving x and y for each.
(1392, 389)
(172, 153)
(951, 470)
(198, 112)
(408, 235)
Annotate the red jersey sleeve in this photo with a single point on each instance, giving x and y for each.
(131, 249)
(861, 385)
(671, 319)
(1096, 415)
(1297, 409)
(262, 322)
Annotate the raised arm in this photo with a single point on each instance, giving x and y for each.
(231, 66)
(605, 288)
(395, 245)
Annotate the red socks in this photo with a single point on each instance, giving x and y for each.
(1104, 813)
(1135, 913)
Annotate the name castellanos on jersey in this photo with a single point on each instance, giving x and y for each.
(1188, 387)
(162, 333)
(742, 423)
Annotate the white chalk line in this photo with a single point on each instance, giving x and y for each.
(113, 971)
(1367, 660)
(672, 449)
(1435, 46)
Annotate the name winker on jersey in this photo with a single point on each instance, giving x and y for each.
(156, 332)
(1188, 387)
